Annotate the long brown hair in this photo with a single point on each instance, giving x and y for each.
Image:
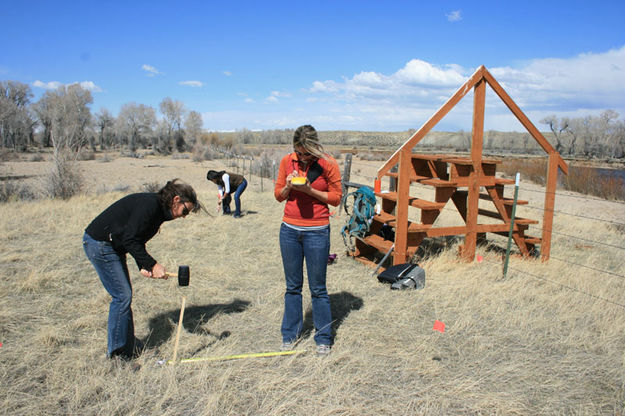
(176, 187)
(307, 138)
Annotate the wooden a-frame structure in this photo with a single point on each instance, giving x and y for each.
(459, 179)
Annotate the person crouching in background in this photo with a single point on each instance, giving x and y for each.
(309, 179)
(227, 182)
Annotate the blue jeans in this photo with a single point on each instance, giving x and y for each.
(113, 272)
(237, 200)
(314, 246)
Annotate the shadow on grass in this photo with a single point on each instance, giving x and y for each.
(161, 327)
(341, 305)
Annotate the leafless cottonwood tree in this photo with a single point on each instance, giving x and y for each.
(16, 121)
(193, 128)
(65, 112)
(590, 136)
(173, 112)
(135, 125)
(105, 126)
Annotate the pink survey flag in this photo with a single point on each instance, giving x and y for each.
(439, 326)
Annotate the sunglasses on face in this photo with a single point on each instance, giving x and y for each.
(185, 210)
(297, 152)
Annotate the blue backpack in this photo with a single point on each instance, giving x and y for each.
(363, 209)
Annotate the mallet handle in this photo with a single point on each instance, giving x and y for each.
(184, 300)
(171, 274)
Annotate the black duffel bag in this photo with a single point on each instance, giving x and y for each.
(404, 276)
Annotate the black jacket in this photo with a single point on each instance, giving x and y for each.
(129, 223)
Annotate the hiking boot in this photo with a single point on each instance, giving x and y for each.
(323, 349)
(287, 346)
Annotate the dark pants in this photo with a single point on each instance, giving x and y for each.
(237, 200)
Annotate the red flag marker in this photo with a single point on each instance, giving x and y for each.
(0, 344)
(480, 258)
(439, 326)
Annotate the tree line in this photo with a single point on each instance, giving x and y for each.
(62, 119)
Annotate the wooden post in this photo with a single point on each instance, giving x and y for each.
(550, 201)
(403, 191)
(470, 240)
(184, 300)
(346, 176)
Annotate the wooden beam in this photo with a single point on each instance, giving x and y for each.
(425, 129)
(403, 190)
(550, 201)
(537, 135)
(470, 239)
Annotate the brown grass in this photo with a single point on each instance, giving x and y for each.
(525, 345)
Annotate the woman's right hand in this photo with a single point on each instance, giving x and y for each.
(158, 272)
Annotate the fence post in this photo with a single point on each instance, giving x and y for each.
(346, 176)
(273, 172)
(392, 182)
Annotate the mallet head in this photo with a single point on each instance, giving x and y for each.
(183, 275)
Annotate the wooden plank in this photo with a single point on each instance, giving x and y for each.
(402, 197)
(550, 201)
(470, 239)
(517, 220)
(505, 201)
(377, 242)
(502, 181)
(390, 220)
(438, 116)
(438, 183)
(411, 200)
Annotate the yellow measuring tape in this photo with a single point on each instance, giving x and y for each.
(238, 356)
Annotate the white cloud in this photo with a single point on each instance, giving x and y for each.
(90, 85)
(275, 95)
(151, 71)
(454, 16)
(249, 100)
(196, 84)
(584, 84)
(280, 94)
(53, 85)
(227, 73)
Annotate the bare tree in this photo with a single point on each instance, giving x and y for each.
(557, 127)
(65, 113)
(136, 123)
(590, 136)
(173, 112)
(193, 127)
(105, 124)
(16, 121)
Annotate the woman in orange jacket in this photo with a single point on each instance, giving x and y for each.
(309, 179)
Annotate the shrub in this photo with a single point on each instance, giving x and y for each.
(65, 180)
(14, 191)
(85, 154)
(36, 157)
(151, 187)
(201, 153)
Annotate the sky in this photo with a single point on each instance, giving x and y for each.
(367, 65)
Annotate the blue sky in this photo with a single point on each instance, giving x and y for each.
(357, 65)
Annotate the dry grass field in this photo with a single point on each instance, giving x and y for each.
(548, 339)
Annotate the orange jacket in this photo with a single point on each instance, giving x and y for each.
(302, 209)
